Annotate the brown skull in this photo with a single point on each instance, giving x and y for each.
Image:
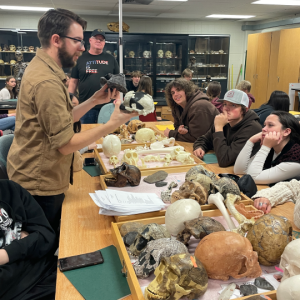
(190, 190)
(225, 254)
(19, 56)
(135, 125)
(199, 228)
(124, 134)
(122, 174)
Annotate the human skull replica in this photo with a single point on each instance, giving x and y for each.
(190, 190)
(135, 125)
(160, 53)
(179, 212)
(168, 54)
(139, 102)
(130, 157)
(25, 48)
(289, 289)
(111, 145)
(151, 256)
(145, 135)
(225, 254)
(19, 56)
(148, 233)
(5, 47)
(123, 174)
(290, 262)
(147, 54)
(199, 228)
(19, 48)
(269, 236)
(177, 277)
(131, 54)
(31, 48)
(12, 48)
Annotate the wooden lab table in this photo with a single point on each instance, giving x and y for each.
(83, 230)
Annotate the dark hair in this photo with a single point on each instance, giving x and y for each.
(57, 21)
(279, 101)
(213, 89)
(12, 91)
(136, 74)
(145, 85)
(289, 121)
(182, 85)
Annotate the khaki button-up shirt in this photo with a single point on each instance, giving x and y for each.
(44, 123)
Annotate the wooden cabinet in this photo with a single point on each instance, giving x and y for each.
(166, 113)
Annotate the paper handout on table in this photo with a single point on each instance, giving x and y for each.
(118, 203)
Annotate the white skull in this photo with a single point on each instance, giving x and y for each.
(179, 212)
(131, 54)
(131, 157)
(175, 152)
(140, 98)
(160, 53)
(168, 54)
(147, 54)
(113, 160)
(19, 48)
(111, 146)
(169, 142)
(183, 156)
(145, 135)
(12, 48)
(290, 262)
(289, 289)
(25, 48)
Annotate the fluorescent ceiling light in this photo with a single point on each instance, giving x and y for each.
(278, 2)
(25, 8)
(230, 16)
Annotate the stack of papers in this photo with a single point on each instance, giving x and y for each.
(117, 203)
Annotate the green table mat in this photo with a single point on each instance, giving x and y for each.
(103, 281)
(210, 158)
(92, 170)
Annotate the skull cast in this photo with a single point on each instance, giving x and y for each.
(224, 186)
(124, 133)
(111, 146)
(123, 174)
(145, 135)
(190, 190)
(12, 48)
(135, 125)
(19, 48)
(199, 228)
(160, 53)
(147, 54)
(31, 48)
(199, 169)
(289, 289)
(204, 180)
(150, 257)
(168, 54)
(139, 102)
(289, 262)
(176, 277)
(131, 157)
(225, 254)
(269, 236)
(148, 233)
(25, 48)
(131, 54)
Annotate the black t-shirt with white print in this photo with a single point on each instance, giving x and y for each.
(89, 69)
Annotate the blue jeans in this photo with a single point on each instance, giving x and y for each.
(7, 123)
(91, 117)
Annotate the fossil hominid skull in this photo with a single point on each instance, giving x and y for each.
(135, 125)
(130, 157)
(139, 102)
(177, 277)
(131, 54)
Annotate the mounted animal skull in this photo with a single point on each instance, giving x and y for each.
(135, 125)
(177, 277)
(151, 256)
(225, 254)
(123, 174)
(139, 102)
(160, 53)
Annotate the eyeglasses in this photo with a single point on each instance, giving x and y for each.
(230, 106)
(82, 42)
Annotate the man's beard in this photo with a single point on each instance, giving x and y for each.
(65, 58)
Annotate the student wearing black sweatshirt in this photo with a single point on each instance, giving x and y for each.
(27, 261)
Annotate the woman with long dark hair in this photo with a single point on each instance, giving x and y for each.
(10, 90)
(278, 101)
(279, 156)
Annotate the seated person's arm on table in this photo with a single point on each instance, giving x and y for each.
(203, 144)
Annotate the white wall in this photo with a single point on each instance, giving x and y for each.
(238, 38)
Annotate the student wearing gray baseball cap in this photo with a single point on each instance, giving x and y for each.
(231, 129)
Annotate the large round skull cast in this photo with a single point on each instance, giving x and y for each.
(111, 146)
(139, 102)
(289, 289)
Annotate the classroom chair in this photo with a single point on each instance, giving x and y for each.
(5, 143)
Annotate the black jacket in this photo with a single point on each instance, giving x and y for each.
(30, 258)
(263, 112)
(230, 142)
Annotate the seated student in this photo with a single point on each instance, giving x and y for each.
(280, 193)
(132, 85)
(27, 261)
(245, 86)
(278, 101)
(187, 74)
(279, 156)
(192, 112)
(7, 121)
(231, 129)
(213, 92)
(10, 89)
